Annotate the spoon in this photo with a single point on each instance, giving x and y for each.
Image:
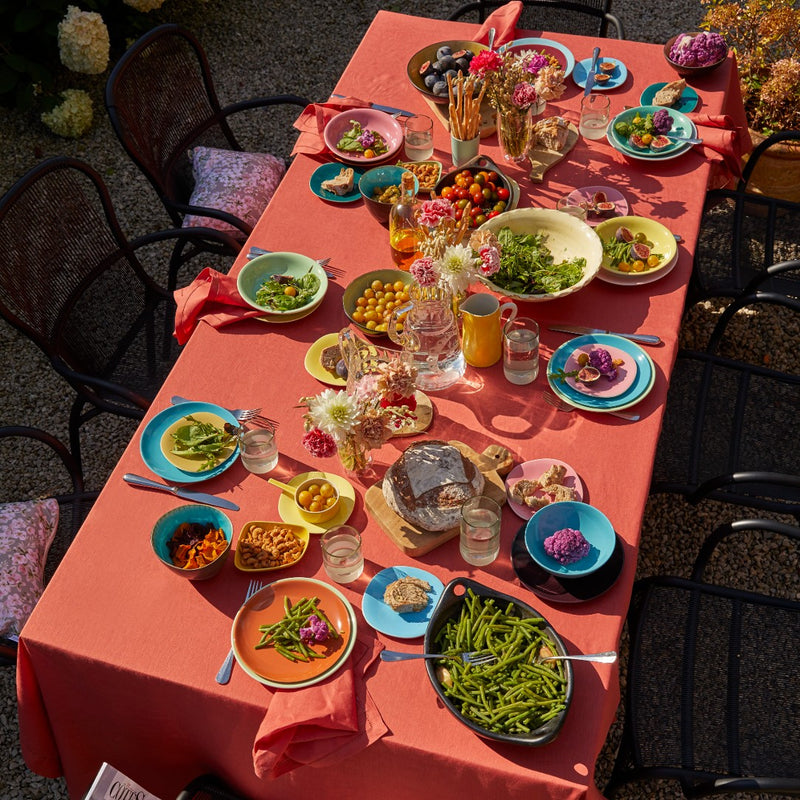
(285, 486)
(604, 658)
(492, 34)
(689, 139)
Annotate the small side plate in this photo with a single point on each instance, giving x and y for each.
(326, 172)
(300, 533)
(687, 102)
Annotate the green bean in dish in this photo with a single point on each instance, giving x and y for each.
(286, 293)
(303, 625)
(514, 694)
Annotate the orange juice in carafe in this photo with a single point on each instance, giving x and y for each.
(404, 235)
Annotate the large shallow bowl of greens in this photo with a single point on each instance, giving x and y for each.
(544, 254)
(282, 283)
(514, 698)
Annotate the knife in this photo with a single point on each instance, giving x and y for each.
(184, 494)
(643, 338)
(590, 73)
(386, 109)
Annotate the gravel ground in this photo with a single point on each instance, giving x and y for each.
(256, 47)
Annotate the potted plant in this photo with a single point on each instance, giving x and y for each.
(764, 36)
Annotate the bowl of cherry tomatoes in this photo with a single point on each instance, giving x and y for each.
(479, 189)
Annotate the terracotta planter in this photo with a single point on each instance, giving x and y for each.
(777, 173)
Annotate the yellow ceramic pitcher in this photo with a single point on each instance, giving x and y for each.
(481, 328)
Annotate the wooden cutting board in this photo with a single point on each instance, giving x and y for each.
(542, 158)
(416, 542)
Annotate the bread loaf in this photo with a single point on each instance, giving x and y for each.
(407, 594)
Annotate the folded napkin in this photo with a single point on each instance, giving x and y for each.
(724, 144)
(213, 298)
(321, 724)
(313, 119)
(504, 21)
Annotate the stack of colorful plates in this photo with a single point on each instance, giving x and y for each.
(681, 126)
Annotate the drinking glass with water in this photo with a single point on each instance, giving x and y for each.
(480, 530)
(521, 350)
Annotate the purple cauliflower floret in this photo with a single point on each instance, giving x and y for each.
(316, 631)
(567, 546)
(662, 121)
(601, 360)
(698, 51)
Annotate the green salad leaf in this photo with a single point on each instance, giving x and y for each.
(527, 266)
(273, 294)
(352, 140)
(202, 439)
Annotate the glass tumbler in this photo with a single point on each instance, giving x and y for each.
(342, 556)
(259, 450)
(480, 530)
(521, 350)
(418, 137)
(595, 116)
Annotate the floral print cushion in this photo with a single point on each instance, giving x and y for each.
(240, 183)
(26, 533)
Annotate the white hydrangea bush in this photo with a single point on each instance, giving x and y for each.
(83, 41)
(73, 116)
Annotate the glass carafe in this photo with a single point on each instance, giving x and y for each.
(404, 232)
(430, 337)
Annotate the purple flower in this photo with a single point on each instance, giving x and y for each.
(567, 546)
(662, 121)
(536, 62)
(601, 360)
(367, 139)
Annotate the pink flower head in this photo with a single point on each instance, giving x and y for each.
(524, 95)
(432, 212)
(319, 443)
(424, 271)
(537, 61)
(490, 260)
(485, 62)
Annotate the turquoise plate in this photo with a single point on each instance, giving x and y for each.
(380, 616)
(150, 443)
(681, 126)
(549, 47)
(640, 388)
(325, 172)
(615, 79)
(686, 103)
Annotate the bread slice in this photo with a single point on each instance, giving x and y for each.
(670, 93)
(329, 358)
(342, 184)
(408, 594)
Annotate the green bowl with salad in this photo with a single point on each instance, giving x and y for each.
(518, 700)
(282, 283)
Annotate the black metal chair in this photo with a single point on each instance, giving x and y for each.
(162, 102)
(585, 17)
(743, 232)
(713, 680)
(74, 284)
(27, 451)
(730, 422)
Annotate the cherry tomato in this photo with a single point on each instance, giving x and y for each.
(491, 176)
(499, 206)
(447, 192)
(461, 193)
(492, 214)
(481, 218)
(475, 187)
(502, 193)
(475, 211)
(467, 174)
(459, 213)
(480, 178)
(460, 181)
(477, 198)
(462, 203)
(487, 193)
(653, 261)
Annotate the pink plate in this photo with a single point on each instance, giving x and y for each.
(602, 387)
(585, 194)
(533, 470)
(369, 119)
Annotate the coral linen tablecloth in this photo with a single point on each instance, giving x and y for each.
(117, 663)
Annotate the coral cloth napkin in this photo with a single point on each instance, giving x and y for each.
(504, 22)
(313, 119)
(724, 143)
(320, 724)
(211, 297)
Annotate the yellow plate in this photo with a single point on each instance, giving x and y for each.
(192, 463)
(313, 364)
(300, 532)
(664, 243)
(289, 512)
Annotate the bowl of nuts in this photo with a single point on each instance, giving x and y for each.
(268, 546)
(380, 188)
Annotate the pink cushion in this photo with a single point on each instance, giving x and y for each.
(26, 533)
(240, 183)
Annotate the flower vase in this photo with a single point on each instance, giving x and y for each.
(515, 131)
(355, 455)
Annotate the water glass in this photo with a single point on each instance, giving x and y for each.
(521, 350)
(341, 553)
(595, 115)
(259, 450)
(418, 138)
(480, 530)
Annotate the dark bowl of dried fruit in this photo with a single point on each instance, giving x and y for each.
(193, 541)
(461, 617)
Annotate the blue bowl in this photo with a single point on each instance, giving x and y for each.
(166, 526)
(381, 176)
(592, 523)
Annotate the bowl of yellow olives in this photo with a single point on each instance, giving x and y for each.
(370, 299)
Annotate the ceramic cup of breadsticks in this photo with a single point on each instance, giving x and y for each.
(464, 108)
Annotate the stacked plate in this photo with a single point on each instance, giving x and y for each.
(546, 47)
(635, 376)
(681, 126)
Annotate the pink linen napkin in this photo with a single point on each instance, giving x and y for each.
(724, 144)
(313, 119)
(320, 724)
(213, 298)
(504, 21)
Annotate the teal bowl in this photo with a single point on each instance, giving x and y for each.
(388, 175)
(590, 521)
(166, 526)
(261, 268)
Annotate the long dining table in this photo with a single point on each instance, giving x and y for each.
(117, 661)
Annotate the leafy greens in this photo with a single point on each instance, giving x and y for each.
(358, 139)
(273, 295)
(202, 439)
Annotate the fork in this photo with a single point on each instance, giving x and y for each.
(467, 658)
(224, 674)
(563, 405)
(241, 414)
(331, 272)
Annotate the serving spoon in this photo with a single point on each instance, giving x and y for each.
(608, 657)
